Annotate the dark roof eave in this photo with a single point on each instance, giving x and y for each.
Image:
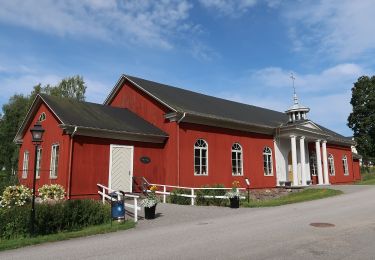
(208, 120)
(114, 134)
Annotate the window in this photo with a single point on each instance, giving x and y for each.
(38, 161)
(267, 158)
(331, 165)
(237, 160)
(25, 164)
(54, 161)
(345, 165)
(313, 165)
(200, 157)
(42, 117)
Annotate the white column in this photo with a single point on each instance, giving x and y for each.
(294, 160)
(302, 154)
(319, 162)
(325, 163)
(293, 117)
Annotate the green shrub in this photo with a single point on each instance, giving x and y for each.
(15, 222)
(201, 200)
(52, 218)
(175, 199)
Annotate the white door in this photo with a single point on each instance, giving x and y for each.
(121, 167)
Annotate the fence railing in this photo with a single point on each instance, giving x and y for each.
(104, 192)
(166, 191)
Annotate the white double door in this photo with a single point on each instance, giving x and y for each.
(121, 167)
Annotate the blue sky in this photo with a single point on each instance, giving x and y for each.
(241, 50)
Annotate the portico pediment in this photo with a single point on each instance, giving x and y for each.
(306, 128)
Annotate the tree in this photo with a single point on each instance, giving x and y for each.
(72, 87)
(15, 111)
(362, 119)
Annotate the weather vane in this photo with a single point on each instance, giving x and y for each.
(294, 88)
(293, 78)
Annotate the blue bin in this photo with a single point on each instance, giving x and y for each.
(117, 207)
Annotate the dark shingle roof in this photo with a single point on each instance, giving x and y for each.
(194, 103)
(199, 104)
(101, 117)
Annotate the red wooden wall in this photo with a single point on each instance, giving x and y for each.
(53, 135)
(90, 164)
(338, 153)
(220, 143)
(147, 108)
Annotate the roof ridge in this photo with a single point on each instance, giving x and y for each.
(198, 93)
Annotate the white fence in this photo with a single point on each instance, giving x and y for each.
(104, 192)
(192, 194)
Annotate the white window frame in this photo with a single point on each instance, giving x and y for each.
(25, 164)
(54, 165)
(331, 165)
(39, 151)
(345, 165)
(201, 145)
(313, 164)
(267, 162)
(238, 168)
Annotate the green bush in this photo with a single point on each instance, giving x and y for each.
(175, 199)
(200, 200)
(52, 218)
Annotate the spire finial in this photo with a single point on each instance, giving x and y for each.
(294, 88)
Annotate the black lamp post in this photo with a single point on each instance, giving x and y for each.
(37, 134)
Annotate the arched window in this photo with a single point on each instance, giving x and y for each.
(237, 160)
(313, 165)
(331, 165)
(200, 157)
(267, 159)
(345, 165)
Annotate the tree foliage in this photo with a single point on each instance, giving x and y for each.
(362, 118)
(15, 111)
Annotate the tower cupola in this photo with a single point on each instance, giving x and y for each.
(296, 112)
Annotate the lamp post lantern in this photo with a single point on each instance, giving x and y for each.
(37, 135)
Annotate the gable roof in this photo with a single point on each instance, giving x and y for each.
(189, 103)
(93, 119)
(193, 103)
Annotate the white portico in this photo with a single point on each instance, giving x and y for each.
(295, 162)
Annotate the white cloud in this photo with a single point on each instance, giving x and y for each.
(229, 7)
(147, 22)
(342, 30)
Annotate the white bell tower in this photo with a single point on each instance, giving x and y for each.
(297, 112)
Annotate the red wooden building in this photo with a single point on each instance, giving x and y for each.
(177, 137)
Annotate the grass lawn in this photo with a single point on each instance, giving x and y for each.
(305, 195)
(367, 179)
(89, 231)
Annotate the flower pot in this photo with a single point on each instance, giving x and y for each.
(150, 212)
(234, 202)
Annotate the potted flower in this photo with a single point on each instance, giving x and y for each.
(234, 195)
(150, 203)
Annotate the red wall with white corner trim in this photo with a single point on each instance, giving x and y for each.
(53, 135)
